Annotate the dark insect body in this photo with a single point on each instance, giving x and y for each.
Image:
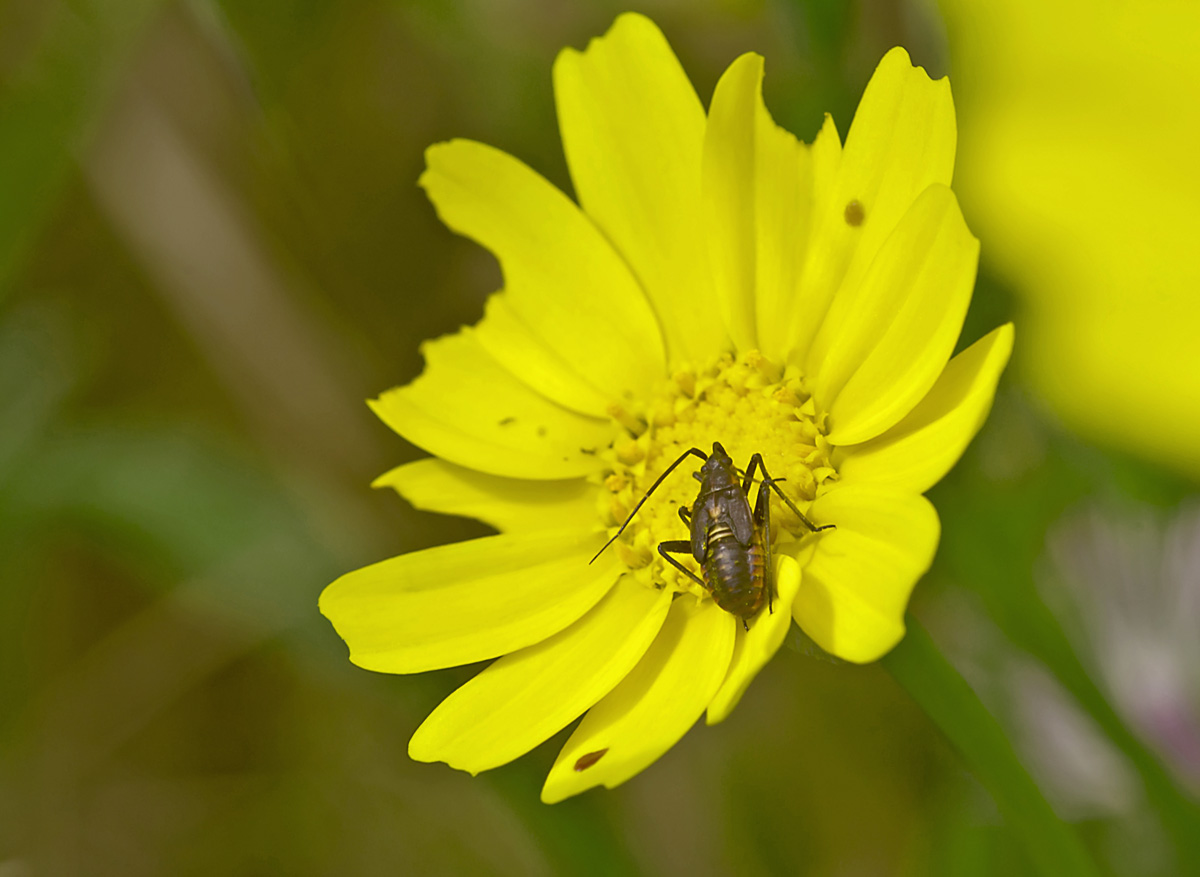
(729, 540)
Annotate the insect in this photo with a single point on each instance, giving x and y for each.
(730, 541)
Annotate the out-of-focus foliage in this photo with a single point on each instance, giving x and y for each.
(212, 247)
(1079, 131)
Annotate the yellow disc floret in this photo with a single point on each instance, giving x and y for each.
(748, 404)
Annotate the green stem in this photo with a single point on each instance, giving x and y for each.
(949, 701)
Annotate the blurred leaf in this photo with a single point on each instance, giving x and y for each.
(181, 502)
(50, 108)
(167, 498)
(949, 701)
(35, 376)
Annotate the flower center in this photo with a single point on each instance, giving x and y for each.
(748, 404)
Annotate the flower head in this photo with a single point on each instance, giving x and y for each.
(1093, 219)
(717, 282)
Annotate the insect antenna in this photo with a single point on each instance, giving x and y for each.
(688, 453)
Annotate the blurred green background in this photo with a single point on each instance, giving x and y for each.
(212, 249)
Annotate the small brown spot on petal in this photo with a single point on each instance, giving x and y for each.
(586, 761)
(854, 213)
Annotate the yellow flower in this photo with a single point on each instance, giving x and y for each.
(1080, 160)
(719, 281)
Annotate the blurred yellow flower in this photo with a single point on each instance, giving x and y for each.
(719, 282)
(1080, 160)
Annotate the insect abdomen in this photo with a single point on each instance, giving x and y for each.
(734, 572)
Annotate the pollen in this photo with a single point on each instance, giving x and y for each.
(750, 405)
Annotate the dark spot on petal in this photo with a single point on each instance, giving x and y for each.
(586, 761)
(541, 431)
(508, 421)
(854, 213)
(591, 452)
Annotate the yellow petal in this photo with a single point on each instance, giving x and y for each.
(758, 203)
(567, 293)
(754, 647)
(468, 409)
(528, 696)
(729, 194)
(885, 341)
(901, 142)
(915, 453)
(794, 185)
(647, 713)
(509, 340)
(508, 504)
(857, 583)
(784, 207)
(826, 152)
(633, 132)
(466, 602)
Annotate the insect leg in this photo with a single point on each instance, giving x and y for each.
(685, 515)
(762, 523)
(756, 462)
(689, 452)
(772, 483)
(680, 546)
